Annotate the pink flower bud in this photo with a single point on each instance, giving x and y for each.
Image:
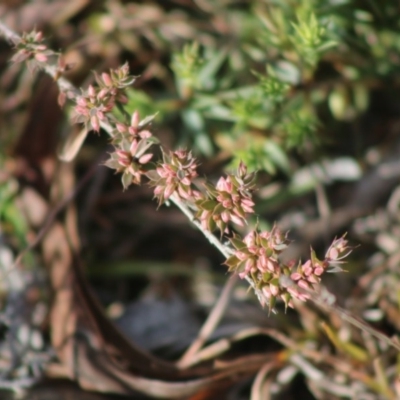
(100, 115)
(124, 163)
(237, 220)
(133, 147)
(303, 284)
(38, 37)
(91, 91)
(266, 292)
(227, 203)
(307, 268)
(332, 253)
(295, 276)
(145, 134)
(274, 290)
(161, 172)
(145, 158)
(158, 190)
(94, 121)
(271, 265)
(123, 155)
(168, 191)
(135, 120)
(247, 202)
(106, 79)
(221, 184)
(225, 217)
(184, 193)
(81, 101)
(41, 57)
(102, 94)
(121, 128)
(313, 279)
(242, 169)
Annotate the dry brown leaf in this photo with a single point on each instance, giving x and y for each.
(73, 143)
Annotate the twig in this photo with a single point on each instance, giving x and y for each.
(225, 250)
(220, 306)
(210, 324)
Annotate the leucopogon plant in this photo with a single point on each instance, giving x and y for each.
(210, 207)
(254, 257)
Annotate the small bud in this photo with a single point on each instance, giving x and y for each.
(100, 115)
(133, 147)
(41, 57)
(81, 101)
(121, 128)
(242, 169)
(135, 120)
(106, 79)
(91, 91)
(38, 36)
(145, 134)
(94, 121)
(145, 158)
(102, 94)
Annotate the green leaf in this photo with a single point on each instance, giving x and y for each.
(208, 205)
(238, 244)
(277, 155)
(232, 262)
(266, 276)
(207, 73)
(126, 179)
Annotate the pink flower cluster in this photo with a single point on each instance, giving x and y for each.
(257, 257)
(94, 103)
(130, 156)
(30, 48)
(229, 201)
(175, 175)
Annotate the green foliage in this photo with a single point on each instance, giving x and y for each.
(256, 94)
(310, 38)
(11, 220)
(186, 65)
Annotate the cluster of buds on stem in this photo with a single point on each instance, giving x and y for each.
(308, 275)
(130, 156)
(116, 81)
(230, 200)
(257, 257)
(96, 102)
(30, 48)
(175, 175)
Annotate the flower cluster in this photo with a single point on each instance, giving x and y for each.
(94, 103)
(308, 275)
(229, 200)
(116, 81)
(174, 175)
(257, 257)
(30, 48)
(130, 155)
